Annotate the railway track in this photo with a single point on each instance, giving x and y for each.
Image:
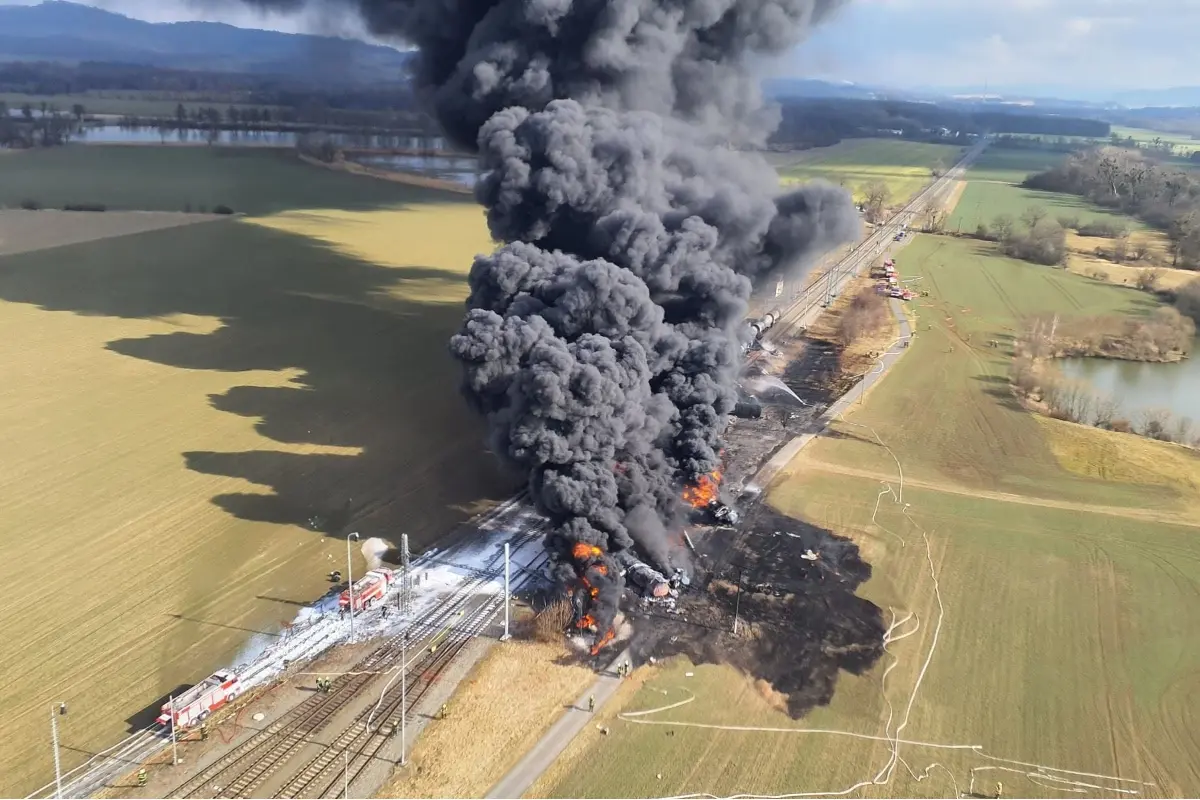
(244, 768)
(344, 759)
(824, 287)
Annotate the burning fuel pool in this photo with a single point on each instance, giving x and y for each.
(792, 588)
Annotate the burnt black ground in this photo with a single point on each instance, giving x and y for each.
(800, 622)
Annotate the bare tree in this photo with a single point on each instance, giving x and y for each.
(1003, 226)
(1105, 411)
(1148, 279)
(876, 195)
(1033, 215)
(1153, 423)
(1183, 430)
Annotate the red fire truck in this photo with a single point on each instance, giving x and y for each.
(368, 590)
(198, 702)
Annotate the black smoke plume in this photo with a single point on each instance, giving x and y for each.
(601, 341)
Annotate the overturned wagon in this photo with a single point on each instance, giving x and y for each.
(647, 579)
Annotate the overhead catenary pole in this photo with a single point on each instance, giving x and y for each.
(505, 637)
(57, 763)
(737, 603)
(406, 577)
(350, 575)
(403, 698)
(174, 738)
(346, 774)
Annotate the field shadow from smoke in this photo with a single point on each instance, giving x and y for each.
(801, 622)
(374, 373)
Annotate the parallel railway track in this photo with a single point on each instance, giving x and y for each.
(343, 760)
(248, 765)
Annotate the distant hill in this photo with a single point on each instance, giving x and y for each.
(70, 32)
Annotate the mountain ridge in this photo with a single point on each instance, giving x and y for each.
(58, 30)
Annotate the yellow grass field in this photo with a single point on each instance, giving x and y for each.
(180, 408)
(903, 166)
(498, 714)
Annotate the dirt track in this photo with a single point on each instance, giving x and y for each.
(1004, 497)
(24, 231)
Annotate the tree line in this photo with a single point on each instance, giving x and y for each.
(1164, 196)
(812, 122)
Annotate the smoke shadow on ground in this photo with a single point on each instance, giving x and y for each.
(147, 716)
(373, 373)
(800, 622)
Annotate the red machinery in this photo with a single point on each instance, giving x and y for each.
(368, 590)
(198, 702)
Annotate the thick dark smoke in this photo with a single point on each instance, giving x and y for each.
(601, 340)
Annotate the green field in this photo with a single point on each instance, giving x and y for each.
(903, 166)
(173, 178)
(1067, 563)
(993, 188)
(1011, 165)
(133, 103)
(194, 417)
(983, 201)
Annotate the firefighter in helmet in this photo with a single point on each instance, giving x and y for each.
(141, 776)
(204, 731)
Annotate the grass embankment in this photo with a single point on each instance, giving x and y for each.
(1067, 560)
(181, 406)
(903, 166)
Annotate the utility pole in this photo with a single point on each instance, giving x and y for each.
(737, 603)
(505, 637)
(403, 698)
(62, 709)
(406, 576)
(350, 575)
(174, 738)
(346, 774)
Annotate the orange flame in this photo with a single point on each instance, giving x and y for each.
(583, 551)
(608, 637)
(586, 621)
(594, 592)
(703, 491)
(603, 570)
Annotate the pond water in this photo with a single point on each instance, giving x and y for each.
(1140, 386)
(115, 134)
(460, 169)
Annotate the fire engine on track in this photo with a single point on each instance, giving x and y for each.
(368, 590)
(198, 702)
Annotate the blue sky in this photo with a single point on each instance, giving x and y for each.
(1065, 44)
